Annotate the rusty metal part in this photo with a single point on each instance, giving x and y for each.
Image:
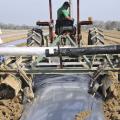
(80, 23)
(70, 9)
(85, 23)
(50, 24)
(43, 23)
(60, 57)
(51, 21)
(78, 20)
(50, 9)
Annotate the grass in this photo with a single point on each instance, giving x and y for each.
(22, 34)
(13, 38)
(5, 32)
(22, 45)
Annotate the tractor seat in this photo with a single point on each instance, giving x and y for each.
(63, 26)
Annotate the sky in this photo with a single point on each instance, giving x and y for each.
(29, 11)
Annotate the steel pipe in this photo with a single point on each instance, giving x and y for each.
(50, 10)
(78, 20)
(23, 51)
(51, 21)
(64, 51)
(111, 49)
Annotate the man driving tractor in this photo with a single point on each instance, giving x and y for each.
(64, 23)
(63, 12)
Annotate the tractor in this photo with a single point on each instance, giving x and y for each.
(61, 77)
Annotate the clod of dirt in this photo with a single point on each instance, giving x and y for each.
(11, 109)
(82, 115)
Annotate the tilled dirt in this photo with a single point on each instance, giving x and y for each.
(82, 115)
(11, 109)
(112, 105)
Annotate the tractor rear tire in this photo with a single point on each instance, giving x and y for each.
(35, 38)
(95, 37)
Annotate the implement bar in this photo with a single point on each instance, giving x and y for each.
(64, 51)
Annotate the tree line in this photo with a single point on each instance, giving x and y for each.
(108, 25)
(14, 27)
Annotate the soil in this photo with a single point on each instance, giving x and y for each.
(11, 109)
(112, 106)
(82, 115)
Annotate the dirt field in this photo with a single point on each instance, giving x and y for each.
(112, 106)
(8, 32)
(112, 37)
(12, 35)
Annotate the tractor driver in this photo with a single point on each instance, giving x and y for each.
(64, 23)
(63, 13)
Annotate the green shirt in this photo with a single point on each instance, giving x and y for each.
(62, 13)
